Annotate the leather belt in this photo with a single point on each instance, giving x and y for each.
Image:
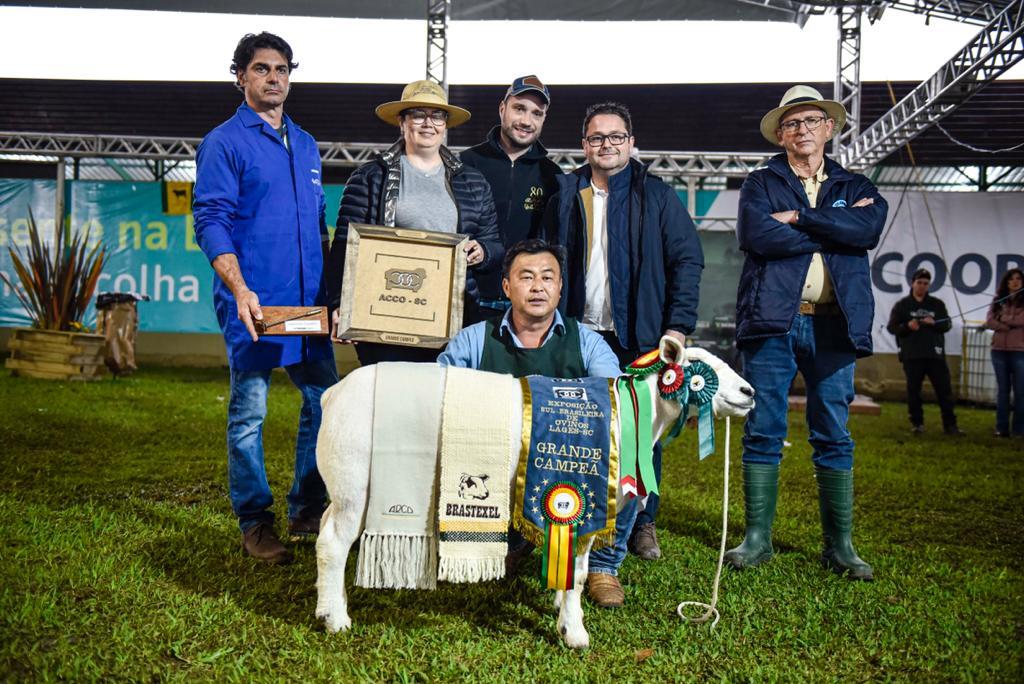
(823, 309)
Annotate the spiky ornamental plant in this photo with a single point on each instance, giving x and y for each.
(57, 279)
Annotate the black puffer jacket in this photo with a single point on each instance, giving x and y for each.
(371, 196)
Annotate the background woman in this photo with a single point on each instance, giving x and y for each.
(418, 183)
(1006, 318)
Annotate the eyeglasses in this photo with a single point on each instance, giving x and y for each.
(436, 116)
(812, 123)
(597, 140)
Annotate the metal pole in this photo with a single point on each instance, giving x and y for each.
(847, 84)
(437, 42)
(58, 209)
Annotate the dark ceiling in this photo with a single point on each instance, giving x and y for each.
(666, 117)
(465, 10)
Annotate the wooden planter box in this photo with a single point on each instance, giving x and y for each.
(56, 355)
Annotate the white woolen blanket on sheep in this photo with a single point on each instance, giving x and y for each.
(477, 449)
(398, 549)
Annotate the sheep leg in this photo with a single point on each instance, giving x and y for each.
(570, 614)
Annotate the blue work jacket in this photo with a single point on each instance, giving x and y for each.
(778, 255)
(264, 203)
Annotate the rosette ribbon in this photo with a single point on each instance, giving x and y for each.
(563, 507)
(702, 382)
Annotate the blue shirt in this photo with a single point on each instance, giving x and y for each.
(263, 202)
(466, 349)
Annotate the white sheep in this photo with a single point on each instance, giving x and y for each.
(343, 457)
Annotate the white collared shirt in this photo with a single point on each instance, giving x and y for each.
(597, 312)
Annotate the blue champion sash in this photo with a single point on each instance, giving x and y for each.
(568, 467)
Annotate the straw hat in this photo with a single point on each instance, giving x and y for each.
(425, 94)
(799, 96)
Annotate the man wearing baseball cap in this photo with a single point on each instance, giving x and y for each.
(521, 176)
(804, 304)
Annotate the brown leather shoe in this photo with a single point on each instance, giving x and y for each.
(261, 542)
(605, 591)
(644, 542)
(303, 529)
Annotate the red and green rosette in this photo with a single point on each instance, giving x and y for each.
(645, 365)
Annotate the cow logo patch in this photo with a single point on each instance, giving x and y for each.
(473, 487)
(397, 278)
(839, 204)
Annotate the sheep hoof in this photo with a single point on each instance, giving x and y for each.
(577, 639)
(337, 624)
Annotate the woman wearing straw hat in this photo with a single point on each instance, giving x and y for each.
(418, 183)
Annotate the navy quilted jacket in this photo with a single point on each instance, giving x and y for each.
(371, 195)
(778, 255)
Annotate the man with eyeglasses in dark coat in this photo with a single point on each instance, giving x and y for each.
(632, 275)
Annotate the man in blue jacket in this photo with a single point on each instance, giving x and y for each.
(259, 218)
(521, 176)
(804, 304)
(633, 274)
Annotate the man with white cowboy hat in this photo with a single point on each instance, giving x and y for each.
(418, 183)
(804, 304)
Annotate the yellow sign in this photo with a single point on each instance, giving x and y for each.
(177, 198)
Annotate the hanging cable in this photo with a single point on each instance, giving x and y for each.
(972, 148)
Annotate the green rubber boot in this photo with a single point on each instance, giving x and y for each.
(835, 498)
(760, 493)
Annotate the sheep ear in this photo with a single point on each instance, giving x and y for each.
(485, 478)
(670, 350)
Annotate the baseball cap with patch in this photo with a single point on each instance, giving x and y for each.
(526, 84)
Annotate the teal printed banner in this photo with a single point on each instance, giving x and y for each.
(148, 252)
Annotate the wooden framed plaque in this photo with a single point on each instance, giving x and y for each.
(293, 320)
(402, 286)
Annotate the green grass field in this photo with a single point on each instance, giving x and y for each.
(120, 560)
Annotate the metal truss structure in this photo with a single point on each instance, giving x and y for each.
(847, 86)
(977, 12)
(674, 167)
(437, 41)
(996, 48)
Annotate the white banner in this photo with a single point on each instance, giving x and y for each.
(977, 236)
(980, 234)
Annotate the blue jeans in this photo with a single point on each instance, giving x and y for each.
(608, 559)
(247, 475)
(820, 349)
(1009, 368)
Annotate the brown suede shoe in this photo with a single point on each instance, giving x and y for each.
(261, 542)
(303, 529)
(644, 542)
(605, 591)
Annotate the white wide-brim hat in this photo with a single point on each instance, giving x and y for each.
(800, 96)
(426, 94)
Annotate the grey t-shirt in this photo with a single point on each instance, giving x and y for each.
(423, 200)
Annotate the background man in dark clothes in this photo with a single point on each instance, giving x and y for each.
(521, 176)
(920, 323)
